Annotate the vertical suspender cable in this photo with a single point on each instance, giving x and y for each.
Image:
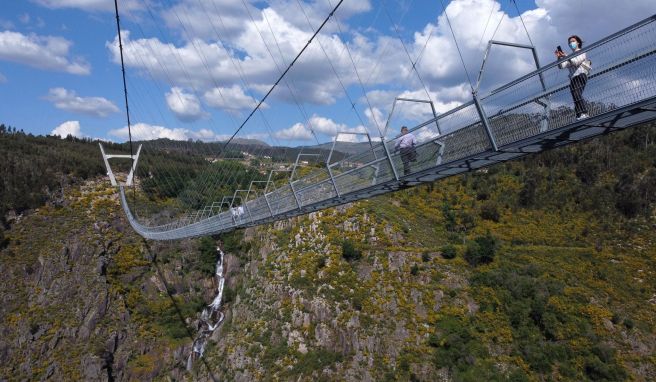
(522, 20)
(125, 92)
(457, 46)
(283, 74)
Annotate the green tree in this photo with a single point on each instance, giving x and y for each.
(481, 250)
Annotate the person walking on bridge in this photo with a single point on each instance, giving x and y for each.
(579, 68)
(406, 144)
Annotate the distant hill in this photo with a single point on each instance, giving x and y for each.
(249, 142)
(344, 147)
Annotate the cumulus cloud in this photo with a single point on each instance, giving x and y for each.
(230, 99)
(147, 132)
(68, 128)
(225, 50)
(91, 5)
(297, 132)
(68, 100)
(320, 125)
(185, 106)
(42, 52)
(200, 64)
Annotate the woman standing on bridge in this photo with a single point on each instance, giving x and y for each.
(579, 68)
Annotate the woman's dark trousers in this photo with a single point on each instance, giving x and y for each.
(576, 86)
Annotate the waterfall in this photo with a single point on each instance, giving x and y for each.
(211, 317)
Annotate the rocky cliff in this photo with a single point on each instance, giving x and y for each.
(535, 270)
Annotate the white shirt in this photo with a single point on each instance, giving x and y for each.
(576, 65)
(406, 140)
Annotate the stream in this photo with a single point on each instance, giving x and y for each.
(211, 317)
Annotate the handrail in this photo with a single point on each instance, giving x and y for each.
(466, 131)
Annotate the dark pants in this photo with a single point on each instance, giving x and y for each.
(407, 155)
(576, 86)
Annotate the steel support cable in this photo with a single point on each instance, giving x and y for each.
(423, 48)
(165, 178)
(234, 64)
(237, 63)
(300, 106)
(357, 74)
(384, 50)
(211, 178)
(291, 91)
(284, 73)
(203, 184)
(498, 25)
(257, 108)
(405, 49)
(386, 45)
(125, 93)
(462, 60)
(522, 20)
(170, 80)
(332, 66)
(487, 22)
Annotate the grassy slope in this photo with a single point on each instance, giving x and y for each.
(570, 294)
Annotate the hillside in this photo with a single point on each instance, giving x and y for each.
(541, 269)
(552, 278)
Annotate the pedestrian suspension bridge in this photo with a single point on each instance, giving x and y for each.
(528, 115)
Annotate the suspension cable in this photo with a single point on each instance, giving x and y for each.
(283, 74)
(487, 23)
(125, 93)
(522, 20)
(413, 63)
(457, 46)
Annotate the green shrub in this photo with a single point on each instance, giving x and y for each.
(490, 211)
(449, 252)
(316, 360)
(481, 250)
(425, 257)
(349, 251)
(414, 270)
(207, 255)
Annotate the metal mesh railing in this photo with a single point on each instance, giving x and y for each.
(623, 73)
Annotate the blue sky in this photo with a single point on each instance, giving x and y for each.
(197, 67)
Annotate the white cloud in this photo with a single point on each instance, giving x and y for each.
(91, 5)
(320, 125)
(147, 132)
(68, 128)
(230, 99)
(43, 52)
(195, 65)
(220, 46)
(185, 106)
(203, 65)
(67, 100)
(298, 131)
(329, 127)
(3, 79)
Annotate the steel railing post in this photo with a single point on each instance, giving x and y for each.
(298, 203)
(486, 123)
